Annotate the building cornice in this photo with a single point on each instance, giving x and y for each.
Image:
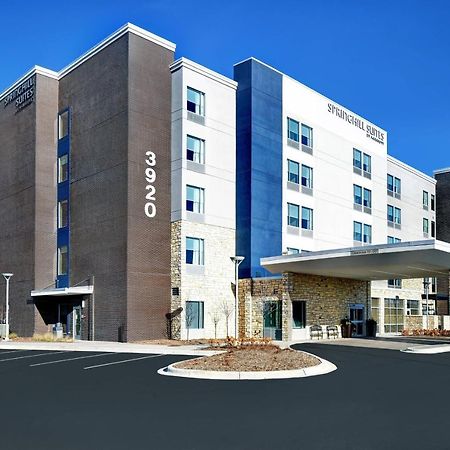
(36, 70)
(410, 169)
(195, 67)
(440, 171)
(127, 28)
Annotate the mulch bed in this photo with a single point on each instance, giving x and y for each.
(247, 359)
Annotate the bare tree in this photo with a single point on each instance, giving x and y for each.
(215, 318)
(227, 309)
(189, 318)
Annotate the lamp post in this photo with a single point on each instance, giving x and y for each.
(7, 277)
(236, 261)
(426, 286)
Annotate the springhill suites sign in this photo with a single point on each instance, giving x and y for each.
(22, 95)
(371, 132)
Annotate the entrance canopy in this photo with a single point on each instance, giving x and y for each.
(416, 259)
(58, 292)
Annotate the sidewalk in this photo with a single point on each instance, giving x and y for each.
(113, 347)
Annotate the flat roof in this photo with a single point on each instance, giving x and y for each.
(57, 292)
(404, 260)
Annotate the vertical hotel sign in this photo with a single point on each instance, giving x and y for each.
(22, 95)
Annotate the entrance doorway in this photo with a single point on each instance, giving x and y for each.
(357, 319)
(70, 318)
(272, 320)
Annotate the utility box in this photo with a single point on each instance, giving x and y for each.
(4, 330)
(58, 331)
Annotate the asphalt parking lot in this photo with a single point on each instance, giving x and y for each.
(377, 399)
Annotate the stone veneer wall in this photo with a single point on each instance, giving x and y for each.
(213, 283)
(327, 300)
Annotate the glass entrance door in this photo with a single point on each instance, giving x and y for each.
(272, 319)
(73, 323)
(357, 319)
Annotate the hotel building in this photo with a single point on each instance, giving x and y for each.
(128, 180)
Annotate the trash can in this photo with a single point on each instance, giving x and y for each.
(58, 331)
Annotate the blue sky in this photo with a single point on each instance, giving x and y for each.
(386, 60)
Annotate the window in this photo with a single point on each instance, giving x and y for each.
(393, 240)
(307, 135)
(195, 199)
(357, 194)
(367, 163)
(307, 176)
(412, 307)
(394, 215)
(293, 251)
(390, 213)
(307, 218)
(195, 315)
(433, 285)
(367, 238)
(393, 315)
(397, 216)
(195, 101)
(293, 215)
(293, 129)
(375, 310)
(63, 214)
(425, 226)
(195, 149)
(357, 231)
(62, 260)
(298, 314)
(367, 198)
(195, 251)
(425, 199)
(63, 168)
(433, 228)
(396, 284)
(293, 172)
(394, 184)
(63, 124)
(397, 186)
(357, 159)
(433, 204)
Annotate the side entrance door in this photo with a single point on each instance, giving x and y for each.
(357, 319)
(73, 326)
(272, 320)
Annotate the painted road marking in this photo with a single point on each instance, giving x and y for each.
(69, 359)
(29, 356)
(122, 361)
(12, 351)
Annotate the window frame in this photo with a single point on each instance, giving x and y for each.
(291, 219)
(201, 105)
(290, 121)
(60, 168)
(309, 180)
(309, 220)
(60, 213)
(199, 315)
(200, 152)
(63, 260)
(295, 163)
(201, 199)
(307, 139)
(200, 259)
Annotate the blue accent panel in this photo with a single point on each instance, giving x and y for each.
(259, 165)
(63, 193)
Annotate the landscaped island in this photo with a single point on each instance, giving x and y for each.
(265, 358)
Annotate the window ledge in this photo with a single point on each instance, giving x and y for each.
(197, 118)
(193, 269)
(307, 149)
(195, 167)
(293, 186)
(293, 144)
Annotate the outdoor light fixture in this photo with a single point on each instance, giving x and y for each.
(7, 277)
(236, 261)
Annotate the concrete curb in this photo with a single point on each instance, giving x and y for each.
(108, 347)
(323, 368)
(428, 350)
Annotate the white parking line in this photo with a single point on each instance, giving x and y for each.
(12, 351)
(29, 356)
(69, 359)
(122, 361)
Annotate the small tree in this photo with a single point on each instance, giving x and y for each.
(189, 317)
(227, 309)
(215, 318)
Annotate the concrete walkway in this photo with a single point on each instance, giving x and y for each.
(112, 347)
